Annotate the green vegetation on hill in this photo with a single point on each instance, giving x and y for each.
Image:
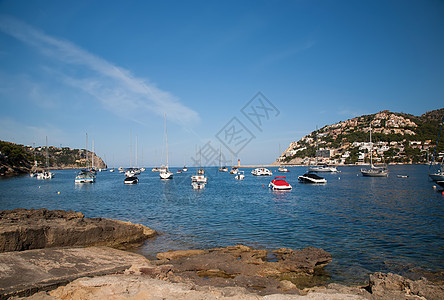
(401, 138)
(19, 159)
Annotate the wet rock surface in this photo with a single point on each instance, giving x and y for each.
(259, 271)
(25, 229)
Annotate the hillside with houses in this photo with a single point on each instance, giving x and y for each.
(396, 138)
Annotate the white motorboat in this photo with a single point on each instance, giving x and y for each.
(279, 184)
(240, 175)
(261, 172)
(198, 185)
(85, 176)
(322, 168)
(45, 175)
(112, 170)
(131, 180)
(283, 169)
(311, 178)
(199, 178)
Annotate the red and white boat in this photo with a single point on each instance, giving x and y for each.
(279, 183)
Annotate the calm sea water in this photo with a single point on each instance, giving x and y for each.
(368, 224)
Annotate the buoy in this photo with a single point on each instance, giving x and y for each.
(58, 193)
(263, 185)
(339, 178)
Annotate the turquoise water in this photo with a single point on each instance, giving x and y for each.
(368, 224)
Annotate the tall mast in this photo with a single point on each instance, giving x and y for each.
(131, 149)
(92, 154)
(166, 141)
(47, 160)
(316, 154)
(371, 146)
(137, 165)
(86, 150)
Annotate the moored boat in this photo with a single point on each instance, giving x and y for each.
(85, 176)
(240, 175)
(198, 185)
(199, 178)
(261, 172)
(131, 180)
(311, 178)
(282, 169)
(279, 184)
(322, 168)
(373, 171)
(164, 173)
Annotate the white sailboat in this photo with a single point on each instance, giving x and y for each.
(46, 174)
(199, 180)
(164, 172)
(221, 168)
(373, 171)
(87, 175)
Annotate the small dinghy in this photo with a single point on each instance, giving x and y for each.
(402, 176)
(279, 184)
(240, 175)
(311, 178)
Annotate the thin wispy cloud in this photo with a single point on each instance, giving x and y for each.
(279, 56)
(116, 88)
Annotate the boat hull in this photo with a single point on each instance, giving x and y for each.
(374, 173)
(437, 177)
(131, 180)
(166, 175)
(311, 178)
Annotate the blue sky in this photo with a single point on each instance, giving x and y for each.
(113, 69)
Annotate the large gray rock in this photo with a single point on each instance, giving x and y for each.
(258, 271)
(22, 229)
(392, 286)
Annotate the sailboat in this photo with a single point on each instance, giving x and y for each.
(199, 180)
(164, 172)
(373, 171)
(86, 175)
(221, 168)
(438, 176)
(46, 174)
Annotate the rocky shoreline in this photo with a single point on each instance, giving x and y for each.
(26, 229)
(236, 272)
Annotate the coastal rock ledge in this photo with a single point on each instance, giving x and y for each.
(26, 229)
